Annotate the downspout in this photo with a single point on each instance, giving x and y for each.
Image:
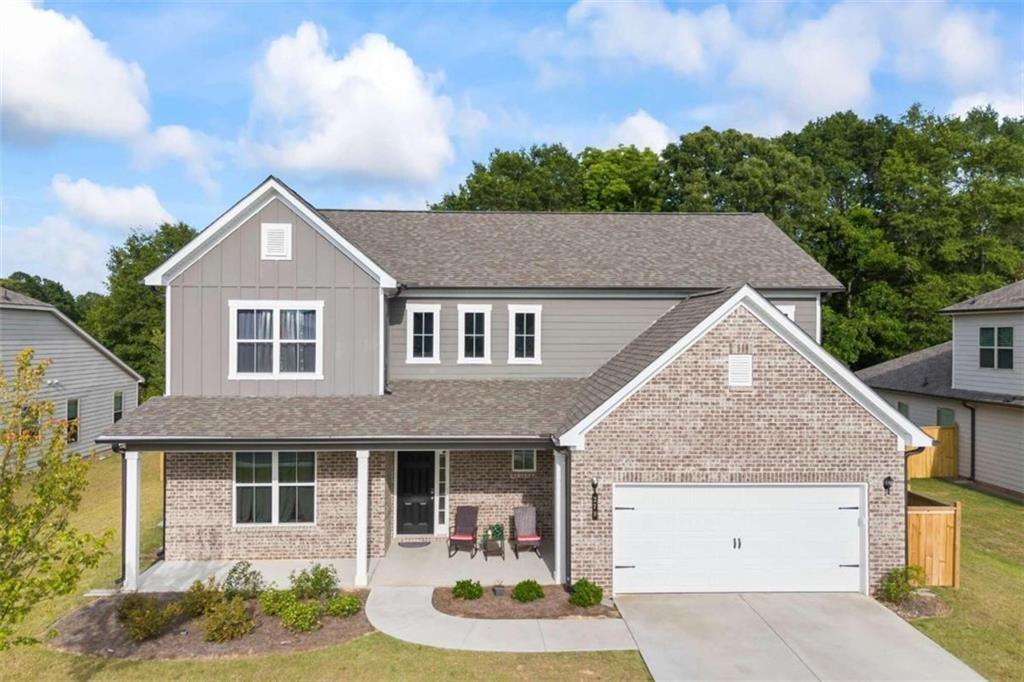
(972, 409)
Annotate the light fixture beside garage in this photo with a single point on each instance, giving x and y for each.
(593, 499)
(887, 484)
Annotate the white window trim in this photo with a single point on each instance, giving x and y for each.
(274, 491)
(78, 416)
(410, 310)
(536, 310)
(276, 306)
(474, 308)
(264, 229)
(787, 309)
(524, 471)
(113, 407)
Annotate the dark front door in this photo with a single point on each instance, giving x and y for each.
(415, 493)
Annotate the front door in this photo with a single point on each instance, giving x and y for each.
(415, 493)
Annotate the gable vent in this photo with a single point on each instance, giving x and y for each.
(741, 369)
(276, 241)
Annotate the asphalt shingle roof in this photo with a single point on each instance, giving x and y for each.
(580, 250)
(1010, 297)
(9, 297)
(928, 372)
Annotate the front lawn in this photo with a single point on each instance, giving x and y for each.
(375, 656)
(985, 628)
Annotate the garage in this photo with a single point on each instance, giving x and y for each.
(739, 538)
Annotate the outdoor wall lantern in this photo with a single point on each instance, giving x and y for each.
(887, 484)
(593, 499)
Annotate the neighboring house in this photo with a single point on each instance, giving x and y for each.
(975, 381)
(652, 383)
(85, 380)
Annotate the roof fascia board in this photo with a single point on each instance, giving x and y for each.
(411, 292)
(982, 311)
(244, 209)
(789, 332)
(82, 333)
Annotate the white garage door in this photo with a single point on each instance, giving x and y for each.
(725, 538)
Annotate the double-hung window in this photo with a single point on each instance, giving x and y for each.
(474, 334)
(995, 347)
(276, 339)
(423, 335)
(72, 420)
(118, 405)
(524, 460)
(524, 334)
(275, 488)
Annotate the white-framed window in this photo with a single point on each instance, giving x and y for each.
(741, 369)
(995, 347)
(275, 488)
(524, 324)
(441, 486)
(787, 309)
(276, 241)
(276, 340)
(422, 333)
(71, 416)
(118, 405)
(524, 460)
(945, 416)
(474, 334)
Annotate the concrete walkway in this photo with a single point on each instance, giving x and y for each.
(407, 613)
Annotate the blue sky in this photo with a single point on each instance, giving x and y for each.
(117, 116)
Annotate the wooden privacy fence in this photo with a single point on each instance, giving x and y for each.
(938, 461)
(933, 539)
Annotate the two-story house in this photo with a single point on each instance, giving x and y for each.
(89, 386)
(975, 381)
(652, 384)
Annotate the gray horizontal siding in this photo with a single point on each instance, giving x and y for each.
(78, 370)
(200, 332)
(806, 312)
(1000, 457)
(924, 411)
(967, 374)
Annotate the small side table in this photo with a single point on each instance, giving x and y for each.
(493, 547)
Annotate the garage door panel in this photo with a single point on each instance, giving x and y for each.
(736, 538)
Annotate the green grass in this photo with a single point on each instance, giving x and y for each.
(373, 657)
(985, 628)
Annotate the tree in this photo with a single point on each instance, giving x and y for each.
(620, 179)
(41, 554)
(45, 290)
(130, 320)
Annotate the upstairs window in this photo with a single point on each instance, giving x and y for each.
(475, 334)
(276, 241)
(524, 334)
(903, 408)
(995, 347)
(118, 405)
(276, 340)
(422, 338)
(945, 416)
(72, 419)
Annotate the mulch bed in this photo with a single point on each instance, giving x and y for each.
(555, 604)
(95, 630)
(926, 605)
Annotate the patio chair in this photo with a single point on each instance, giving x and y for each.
(526, 530)
(464, 534)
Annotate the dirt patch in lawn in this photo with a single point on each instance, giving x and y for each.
(95, 630)
(554, 604)
(920, 606)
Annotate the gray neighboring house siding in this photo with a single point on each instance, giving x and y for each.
(233, 269)
(967, 373)
(79, 370)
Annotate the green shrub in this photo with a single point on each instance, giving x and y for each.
(898, 584)
(343, 605)
(243, 581)
(527, 591)
(227, 619)
(301, 616)
(467, 589)
(145, 617)
(317, 581)
(200, 598)
(585, 594)
(273, 602)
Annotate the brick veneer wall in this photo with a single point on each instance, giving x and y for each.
(486, 479)
(199, 511)
(688, 425)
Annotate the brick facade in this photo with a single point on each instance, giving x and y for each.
(199, 511)
(687, 425)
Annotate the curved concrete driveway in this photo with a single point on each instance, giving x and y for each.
(782, 637)
(407, 613)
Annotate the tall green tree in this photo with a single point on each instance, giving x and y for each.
(621, 179)
(130, 320)
(45, 290)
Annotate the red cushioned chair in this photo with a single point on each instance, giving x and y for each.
(463, 536)
(526, 530)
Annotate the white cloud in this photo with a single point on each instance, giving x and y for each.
(371, 113)
(1007, 103)
(58, 78)
(58, 249)
(642, 131)
(179, 143)
(120, 207)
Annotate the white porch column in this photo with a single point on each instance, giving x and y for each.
(559, 521)
(362, 515)
(132, 482)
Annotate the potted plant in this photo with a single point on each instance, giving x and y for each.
(498, 589)
(494, 539)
